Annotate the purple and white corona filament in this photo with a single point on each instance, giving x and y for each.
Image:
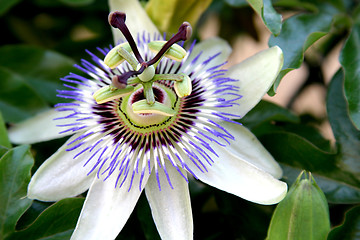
(118, 141)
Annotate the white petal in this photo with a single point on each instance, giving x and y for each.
(209, 48)
(170, 208)
(61, 176)
(40, 128)
(137, 19)
(247, 146)
(256, 75)
(106, 209)
(235, 175)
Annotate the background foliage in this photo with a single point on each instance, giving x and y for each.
(42, 40)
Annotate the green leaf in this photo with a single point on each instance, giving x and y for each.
(4, 139)
(298, 33)
(257, 5)
(18, 100)
(5, 5)
(350, 229)
(295, 4)
(265, 10)
(350, 60)
(3, 150)
(296, 153)
(346, 135)
(338, 174)
(307, 132)
(266, 112)
(39, 69)
(169, 15)
(15, 166)
(271, 18)
(56, 222)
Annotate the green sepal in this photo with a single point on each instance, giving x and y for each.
(157, 108)
(175, 52)
(113, 58)
(107, 93)
(15, 167)
(303, 214)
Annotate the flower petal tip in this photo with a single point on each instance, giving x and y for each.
(280, 55)
(281, 193)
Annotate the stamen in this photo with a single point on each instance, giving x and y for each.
(183, 34)
(168, 76)
(128, 57)
(117, 20)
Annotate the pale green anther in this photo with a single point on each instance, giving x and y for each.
(170, 77)
(183, 88)
(147, 75)
(175, 52)
(113, 59)
(128, 57)
(106, 94)
(157, 108)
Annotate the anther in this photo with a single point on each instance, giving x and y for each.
(117, 20)
(183, 34)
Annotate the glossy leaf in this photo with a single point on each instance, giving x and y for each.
(174, 13)
(40, 70)
(346, 135)
(337, 173)
(268, 14)
(266, 112)
(296, 153)
(15, 166)
(350, 60)
(18, 100)
(350, 229)
(56, 222)
(298, 33)
(265, 10)
(3, 150)
(4, 139)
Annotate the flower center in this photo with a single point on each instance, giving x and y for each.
(141, 80)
